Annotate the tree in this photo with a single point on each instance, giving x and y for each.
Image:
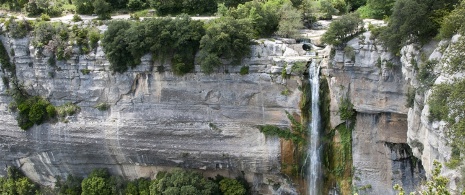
(341, 30)
(84, 6)
(183, 182)
(454, 22)
(116, 47)
(414, 21)
(225, 38)
(379, 9)
(231, 187)
(98, 182)
(327, 9)
(102, 9)
(290, 22)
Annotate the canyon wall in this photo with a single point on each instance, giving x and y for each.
(156, 120)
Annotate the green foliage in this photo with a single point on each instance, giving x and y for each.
(225, 38)
(290, 22)
(6, 65)
(453, 23)
(33, 110)
(346, 109)
(414, 21)
(349, 52)
(299, 68)
(38, 7)
(377, 9)
(244, 70)
(264, 17)
(18, 28)
(230, 186)
(43, 33)
(84, 6)
(436, 185)
(67, 109)
(135, 5)
(102, 106)
(98, 182)
(45, 17)
(71, 186)
(328, 10)
(102, 9)
(287, 134)
(76, 18)
(343, 29)
(15, 183)
(426, 75)
(125, 42)
(174, 7)
(183, 182)
(85, 71)
(410, 97)
(455, 58)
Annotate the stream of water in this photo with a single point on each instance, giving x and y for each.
(314, 175)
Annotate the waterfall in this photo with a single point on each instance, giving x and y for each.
(314, 175)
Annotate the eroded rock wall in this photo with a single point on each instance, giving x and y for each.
(156, 120)
(378, 93)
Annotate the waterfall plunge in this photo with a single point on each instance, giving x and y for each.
(314, 175)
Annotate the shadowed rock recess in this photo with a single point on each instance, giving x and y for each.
(155, 119)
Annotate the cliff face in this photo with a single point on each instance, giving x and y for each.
(427, 138)
(371, 79)
(155, 120)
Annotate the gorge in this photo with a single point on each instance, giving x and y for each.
(156, 120)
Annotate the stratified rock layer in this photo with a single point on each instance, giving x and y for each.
(155, 120)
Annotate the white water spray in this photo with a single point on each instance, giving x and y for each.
(314, 175)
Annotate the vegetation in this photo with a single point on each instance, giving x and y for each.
(244, 70)
(177, 182)
(15, 183)
(343, 29)
(103, 106)
(436, 185)
(225, 38)
(414, 21)
(290, 21)
(125, 42)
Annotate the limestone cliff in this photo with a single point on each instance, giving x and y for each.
(156, 120)
(371, 79)
(427, 138)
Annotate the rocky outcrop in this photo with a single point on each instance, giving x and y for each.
(156, 120)
(427, 138)
(371, 79)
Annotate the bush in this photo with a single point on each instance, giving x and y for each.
(346, 109)
(45, 17)
(453, 23)
(67, 109)
(18, 28)
(102, 106)
(290, 22)
(230, 186)
(102, 9)
(76, 18)
(33, 110)
(244, 70)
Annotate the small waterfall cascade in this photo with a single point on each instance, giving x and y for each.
(314, 174)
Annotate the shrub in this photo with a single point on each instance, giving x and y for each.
(346, 109)
(18, 28)
(182, 182)
(230, 186)
(76, 18)
(85, 71)
(45, 17)
(102, 106)
(102, 9)
(67, 109)
(244, 70)
(290, 22)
